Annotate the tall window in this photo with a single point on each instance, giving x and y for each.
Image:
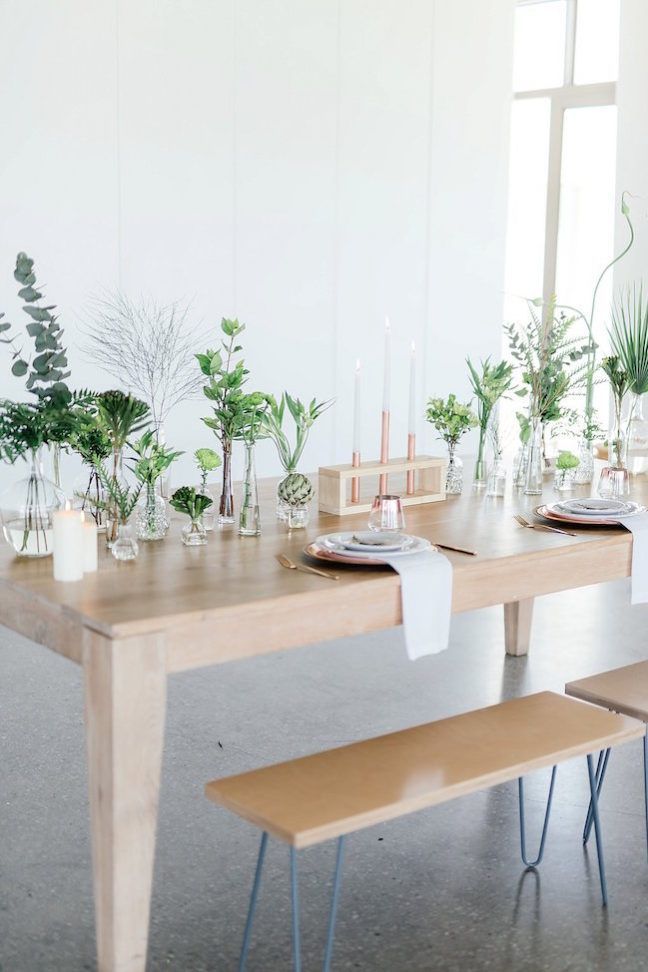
(563, 148)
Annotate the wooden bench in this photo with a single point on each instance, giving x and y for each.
(623, 690)
(334, 793)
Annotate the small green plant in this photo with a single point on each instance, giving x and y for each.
(207, 460)
(152, 459)
(620, 385)
(451, 418)
(304, 416)
(121, 498)
(567, 460)
(121, 415)
(490, 383)
(188, 501)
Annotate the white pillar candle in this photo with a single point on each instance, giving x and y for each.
(411, 426)
(90, 555)
(68, 544)
(356, 409)
(387, 371)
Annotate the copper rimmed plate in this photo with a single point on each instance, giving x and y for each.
(327, 555)
(549, 513)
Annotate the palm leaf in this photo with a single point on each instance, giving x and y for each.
(629, 337)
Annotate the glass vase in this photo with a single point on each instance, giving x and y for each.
(111, 516)
(209, 516)
(26, 508)
(125, 546)
(194, 534)
(283, 508)
(152, 519)
(226, 505)
(454, 472)
(480, 477)
(298, 517)
(249, 520)
(584, 472)
(637, 437)
(615, 478)
(496, 484)
(90, 496)
(55, 459)
(564, 479)
(535, 460)
(520, 463)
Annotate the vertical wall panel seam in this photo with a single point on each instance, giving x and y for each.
(427, 321)
(336, 241)
(118, 152)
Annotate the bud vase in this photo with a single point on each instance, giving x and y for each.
(249, 520)
(90, 496)
(454, 472)
(637, 438)
(615, 478)
(194, 534)
(27, 508)
(584, 472)
(152, 520)
(535, 461)
(226, 505)
(125, 546)
(480, 477)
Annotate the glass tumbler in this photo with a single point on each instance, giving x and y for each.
(386, 514)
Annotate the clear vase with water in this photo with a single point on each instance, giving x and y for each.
(152, 518)
(226, 504)
(584, 472)
(249, 519)
(125, 546)
(615, 478)
(27, 507)
(454, 472)
(535, 460)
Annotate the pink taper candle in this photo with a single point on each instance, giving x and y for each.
(384, 429)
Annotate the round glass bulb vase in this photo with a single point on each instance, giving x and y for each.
(194, 534)
(27, 507)
(152, 519)
(125, 547)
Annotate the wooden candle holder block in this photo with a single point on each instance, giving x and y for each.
(335, 483)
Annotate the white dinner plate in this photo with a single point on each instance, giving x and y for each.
(338, 543)
(549, 512)
(594, 507)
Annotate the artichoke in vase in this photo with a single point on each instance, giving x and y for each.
(296, 490)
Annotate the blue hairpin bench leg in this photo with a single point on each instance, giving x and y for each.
(595, 780)
(294, 898)
(601, 767)
(545, 825)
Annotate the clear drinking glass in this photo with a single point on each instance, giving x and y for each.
(386, 514)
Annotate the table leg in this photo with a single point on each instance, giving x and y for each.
(125, 699)
(517, 626)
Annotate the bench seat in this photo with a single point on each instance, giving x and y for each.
(329, 794)
(621, 689)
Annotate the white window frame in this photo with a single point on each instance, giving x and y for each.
(568, 95)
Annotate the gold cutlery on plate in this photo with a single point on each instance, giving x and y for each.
(291, 565)
(522, 520)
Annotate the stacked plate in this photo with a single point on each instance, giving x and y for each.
(365, 547)
(591, 511)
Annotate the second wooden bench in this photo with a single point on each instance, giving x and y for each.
(331, 794)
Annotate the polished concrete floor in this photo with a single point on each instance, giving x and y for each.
(440, 890)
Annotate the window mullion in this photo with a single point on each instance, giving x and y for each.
(571, 15)
(553, 199)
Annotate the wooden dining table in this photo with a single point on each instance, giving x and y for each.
(131, 625)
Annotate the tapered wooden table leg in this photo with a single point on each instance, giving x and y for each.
(517, 626)
(125, 695)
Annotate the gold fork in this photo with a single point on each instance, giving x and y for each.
(291, 565)
(522, 520)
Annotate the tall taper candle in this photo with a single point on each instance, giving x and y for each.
(384, 427)
(355, 482)
(411, 424)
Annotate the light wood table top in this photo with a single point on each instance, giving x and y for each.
(308, 800)
(236, 584)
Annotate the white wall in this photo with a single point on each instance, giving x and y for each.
(306, 166)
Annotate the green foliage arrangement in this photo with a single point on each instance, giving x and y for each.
(620, 385)
(225, 386)
(51, 417)
(629, 338)
(121, 498)
(187, 500)
(567, 460)
(451, 418)
(550, 363)
(121, 416)
(207, 460)
(304, 416)
(490, 383)
(152, 458)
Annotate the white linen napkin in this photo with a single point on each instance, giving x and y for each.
(638, 527)
(426, 597)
